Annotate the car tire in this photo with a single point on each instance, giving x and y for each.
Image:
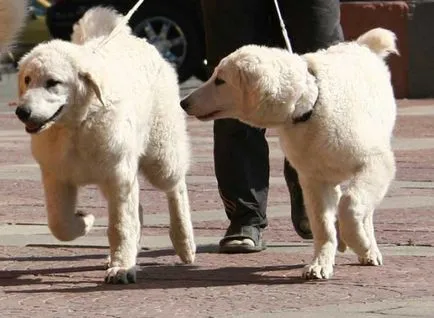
(181, 25)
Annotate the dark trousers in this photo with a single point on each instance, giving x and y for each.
(240, 151)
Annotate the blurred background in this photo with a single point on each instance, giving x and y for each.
(35, 31)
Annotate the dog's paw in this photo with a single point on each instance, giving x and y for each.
(86, 221)
(184, 248)
(316, 271)
(373, 257)
(120, 275)
(186, 252)
(71, 228)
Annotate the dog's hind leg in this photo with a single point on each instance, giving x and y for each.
(357, 206)
(181, 229)
(64, 221)
(321, 202)
(169, 177)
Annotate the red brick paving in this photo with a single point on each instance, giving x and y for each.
(57, 281)
(414, 127)
(67, 281)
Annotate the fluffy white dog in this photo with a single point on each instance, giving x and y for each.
(12, 17)
(100, 114)
(335, 112)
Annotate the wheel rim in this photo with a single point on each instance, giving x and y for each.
(166, 36)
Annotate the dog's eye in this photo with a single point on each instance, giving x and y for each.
(218, 81)
(51, 83)
(27, 80)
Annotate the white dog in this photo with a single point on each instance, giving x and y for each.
(99, 114)
(335, 112)
(12, 17)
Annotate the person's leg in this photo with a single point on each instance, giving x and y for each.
(240, 151)
(311, 25)
(242, 171)
(298, 213)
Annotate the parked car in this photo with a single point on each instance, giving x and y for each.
(173, 26)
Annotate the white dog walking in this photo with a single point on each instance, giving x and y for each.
(335, 112)
(100, 115)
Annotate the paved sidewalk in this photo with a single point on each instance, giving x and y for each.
(41, 277)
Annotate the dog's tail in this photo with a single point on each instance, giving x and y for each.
(12, 17)
(96, 22)
(380, 41)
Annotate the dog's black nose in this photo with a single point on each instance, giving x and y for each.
(23, 113)
(184, 104)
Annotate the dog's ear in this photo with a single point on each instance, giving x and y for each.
(256, 76)
(257, 86)
(307, 100)
(250, 95)
(91, 82)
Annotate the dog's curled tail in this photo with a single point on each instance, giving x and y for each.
(97, 22)
(380, 41)
(12, 17)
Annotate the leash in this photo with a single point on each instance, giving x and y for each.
(130, 13)
(306, 116)
(123, 23)
(118, 27)
(283, 27)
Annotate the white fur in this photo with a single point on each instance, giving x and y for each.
(12, 18)
(347, 138)
(88, 28)
(120, 116)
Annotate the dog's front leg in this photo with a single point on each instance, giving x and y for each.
(64, 221)
(123, 229)
(321, 202)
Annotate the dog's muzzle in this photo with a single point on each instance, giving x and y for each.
(34, 126)
(185, 104)
(23, 113)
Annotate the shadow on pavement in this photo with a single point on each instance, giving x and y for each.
(151, 275)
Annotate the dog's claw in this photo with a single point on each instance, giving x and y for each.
(317, 272)
(372, 258)
(120, 275)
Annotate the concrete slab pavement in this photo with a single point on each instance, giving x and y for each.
(42, 277)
